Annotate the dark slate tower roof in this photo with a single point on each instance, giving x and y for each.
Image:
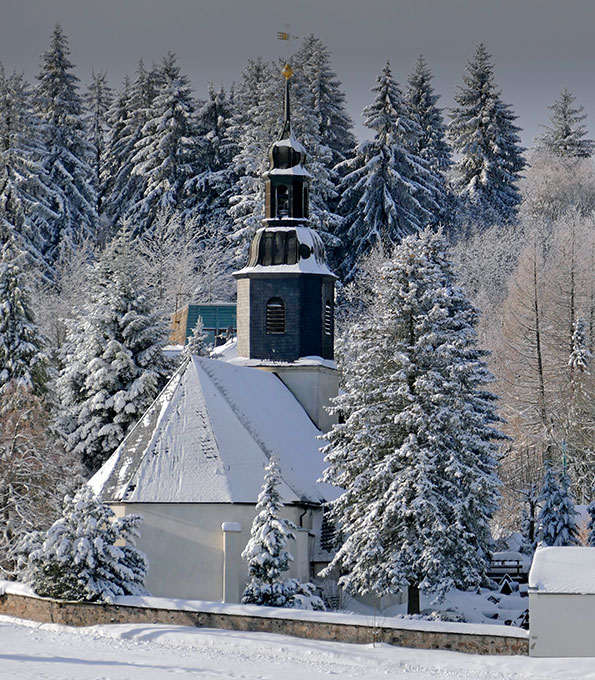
(286, 291)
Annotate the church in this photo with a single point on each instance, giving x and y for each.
(193, 465)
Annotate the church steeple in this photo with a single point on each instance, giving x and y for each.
(287, 180)
(286, 291)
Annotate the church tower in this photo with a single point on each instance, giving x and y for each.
(286, 291)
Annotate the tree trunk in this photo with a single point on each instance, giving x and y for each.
(413, 599)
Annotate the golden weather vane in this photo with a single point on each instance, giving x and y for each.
(286, 35)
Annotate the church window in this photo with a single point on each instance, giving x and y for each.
(275, 316)
(328, 318)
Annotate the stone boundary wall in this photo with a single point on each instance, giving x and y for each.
(90, 614)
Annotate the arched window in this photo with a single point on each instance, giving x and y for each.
(328, 318)
(275, 316)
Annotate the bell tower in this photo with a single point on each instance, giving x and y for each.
(286, 291)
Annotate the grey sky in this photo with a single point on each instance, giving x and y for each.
(539, 46)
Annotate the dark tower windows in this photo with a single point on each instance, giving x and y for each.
(282, 201)
(275, 316)
(328, 318)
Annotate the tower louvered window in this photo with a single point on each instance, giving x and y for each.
(328, 318)
(275, 316)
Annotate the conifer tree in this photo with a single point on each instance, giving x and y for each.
(483, 134)
(82, 555)
(416, 453)
(113, 360)
(196, 342)
(26, 195)
(255, 125)
(565, 136)
(129, 113)
(430, 144)
(69, 154)
(387, 191)
(556, 525)
(98, 100)
(267, 554)
(168, 153)
(22, 358)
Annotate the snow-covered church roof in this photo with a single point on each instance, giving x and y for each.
(208, 437)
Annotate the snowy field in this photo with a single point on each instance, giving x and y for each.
(32, 651)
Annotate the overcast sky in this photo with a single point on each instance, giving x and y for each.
(538, 46)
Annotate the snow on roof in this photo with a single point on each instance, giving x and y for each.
(563, 570)
(208, 437)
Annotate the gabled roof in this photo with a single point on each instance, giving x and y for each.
(208, 437)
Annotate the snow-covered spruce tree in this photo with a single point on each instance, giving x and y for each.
(69, 157)
(267, 554)
(323, 126)
(319, 90)
(485, 138)
(81, 557)
(26, 195)
(113, 363)
(98, 100)
(565, 136)
(22, 357)
(257, 114)
(214, 183)
(416, 453)
(387, 191)
(430, 144)
(196, 343)
(556, 525)
(128, 114)
(168, 154)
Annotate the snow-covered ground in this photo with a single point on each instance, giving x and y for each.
(32, 651)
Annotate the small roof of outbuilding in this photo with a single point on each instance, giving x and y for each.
(208, 437)
(567, 570)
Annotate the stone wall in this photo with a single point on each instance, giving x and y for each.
(88, 614)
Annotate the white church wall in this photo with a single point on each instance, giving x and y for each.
(187, 548)
(561, 625)
(313, 387)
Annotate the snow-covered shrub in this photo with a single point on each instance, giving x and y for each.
(88, 554)
(268, 557)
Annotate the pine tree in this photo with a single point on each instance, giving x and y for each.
(98, 100)
(26, 195)
(323, 126)
(168, 154)
(130, 111)
(69, 154)
(431, 143)
(320, 91)
(113, 360)
(267, 554)
(387, 192)
(483, 134)
(565, 136)
(196, 345)
(22, 357)
(255, 125)
(416, 454)
(556, 525)
(81, 557)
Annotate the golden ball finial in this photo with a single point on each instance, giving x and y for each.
(287, 71)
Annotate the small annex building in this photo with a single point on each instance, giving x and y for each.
(562, 602)
(193, 465)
